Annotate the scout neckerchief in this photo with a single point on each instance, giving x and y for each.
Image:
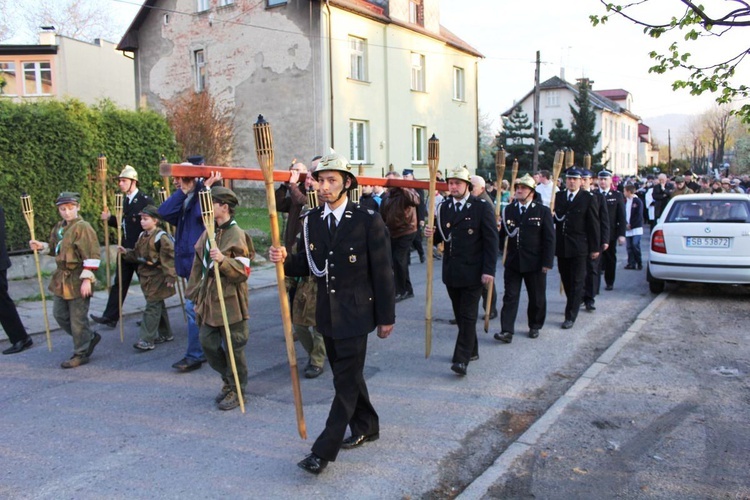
(61, 231)
(207, 261)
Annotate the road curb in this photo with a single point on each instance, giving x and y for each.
(481, 485)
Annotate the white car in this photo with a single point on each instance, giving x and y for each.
(701, 238)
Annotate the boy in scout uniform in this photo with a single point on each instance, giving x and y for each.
(232, 254)
(154, 255)
(75, 247)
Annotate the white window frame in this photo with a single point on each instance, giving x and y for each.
(459, 84)
(9, 70)
(37, 71)
(418, 72)
(199, 70)
(418, 144)
(358, 58)
(358, 141)
(553, 98)
(274, 3)
(224, 3)
(415, 16)
(202, 5)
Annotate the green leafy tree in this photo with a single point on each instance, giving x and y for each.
(583, 125)
(516, 129)
(695, 23)
(558, 138)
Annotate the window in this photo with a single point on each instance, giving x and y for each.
(418, 144)
(202, 6)
(416, 12)
(8, 78)
(199, 62)
(37, 78)
(358, 141)
(417, 72)
(224, 3)
(274, 3)
(166, 19)
(541, 128)
(459, 93)
(357, 48)
(553, 98)
(622, 130)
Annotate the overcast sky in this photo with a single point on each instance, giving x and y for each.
(509, 32)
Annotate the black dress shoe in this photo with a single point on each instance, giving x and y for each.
(629, 266)
(474, 357)
(111, 323)
(493, 314)
(357, 441)
(506, 337)
(533, 333)
(313, 464)
(609, 287)
(567, 324)
(187, 365)
(459, 368)
(19, 346)
(590, 307)
(639, 267)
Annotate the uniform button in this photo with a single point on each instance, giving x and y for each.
(333, 291)
(332, 265)
(333, 278)
(330, 252)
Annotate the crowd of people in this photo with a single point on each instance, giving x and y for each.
(339, 239)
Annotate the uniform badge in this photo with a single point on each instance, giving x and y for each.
(312, 247)
(448, 225)
(471, 231)
(352, 259)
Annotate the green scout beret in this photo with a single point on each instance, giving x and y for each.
(221, 194)
(68, 197)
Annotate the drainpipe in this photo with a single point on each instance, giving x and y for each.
(330, 67)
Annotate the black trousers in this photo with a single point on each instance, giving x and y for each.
(400, 250)
(417, 244)
(572, 275)
(351, 404)
(609, 263)
(112, 311)
(9, 318)
(536, 288)
(465, 301)
(593, 280)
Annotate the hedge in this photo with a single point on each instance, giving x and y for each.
(51, 146)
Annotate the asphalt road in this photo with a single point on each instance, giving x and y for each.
(127, 426)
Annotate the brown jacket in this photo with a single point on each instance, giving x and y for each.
(76, 251)
(155, 267)
(399, 211)
(235, 244)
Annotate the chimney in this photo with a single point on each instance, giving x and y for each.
(48, 35)
(562, 73)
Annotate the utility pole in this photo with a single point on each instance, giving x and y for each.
(669, 150)
(535, 158)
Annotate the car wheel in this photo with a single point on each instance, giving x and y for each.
(655, 285)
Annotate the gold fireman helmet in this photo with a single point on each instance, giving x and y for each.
(460, 173)
(527, 181)
(128, 173)
(336, 162)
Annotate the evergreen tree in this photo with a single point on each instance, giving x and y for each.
(583, 126)
(559, 138)
(516, 129)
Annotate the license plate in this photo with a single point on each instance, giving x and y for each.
(693, 241)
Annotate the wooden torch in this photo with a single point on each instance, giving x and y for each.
(118, 217)
(28, 214)
(102, 171)
(264, 152)
(433, 158)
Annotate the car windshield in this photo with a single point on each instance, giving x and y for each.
(709, 211)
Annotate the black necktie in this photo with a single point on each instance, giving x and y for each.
(523, 209)
(570, 197)
(458, 206)
(331, 224)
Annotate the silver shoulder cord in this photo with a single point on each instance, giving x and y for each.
(504, 222)
(310, 262)
(439, 225)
